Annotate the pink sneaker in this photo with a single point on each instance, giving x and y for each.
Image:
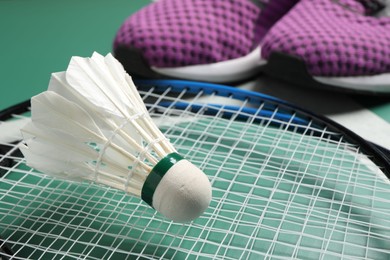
(206, 40)
(341, 44)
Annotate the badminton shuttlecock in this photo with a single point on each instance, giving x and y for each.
(91, 124)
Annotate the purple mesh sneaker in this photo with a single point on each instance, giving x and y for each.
(206, 40)
(343, 44)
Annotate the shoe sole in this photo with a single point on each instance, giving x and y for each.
(231, 71)
(293, 69)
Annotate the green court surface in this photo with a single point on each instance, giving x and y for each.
(39, 37)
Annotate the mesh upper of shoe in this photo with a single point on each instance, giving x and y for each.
(176, 33)
(272, 11)
(334, 38)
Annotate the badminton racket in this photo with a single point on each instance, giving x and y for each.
(286, 184)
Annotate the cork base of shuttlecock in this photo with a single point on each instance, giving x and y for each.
(183, 192)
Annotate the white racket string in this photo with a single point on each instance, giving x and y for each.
(281, 190)
(298, 183)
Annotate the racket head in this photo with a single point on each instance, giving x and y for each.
(286, 184)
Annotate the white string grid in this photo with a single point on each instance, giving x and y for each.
(277, 194)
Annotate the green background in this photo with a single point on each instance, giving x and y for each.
(39, 37)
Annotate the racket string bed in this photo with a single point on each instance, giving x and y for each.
(283, 187)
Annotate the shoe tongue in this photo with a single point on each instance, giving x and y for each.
(365, 7)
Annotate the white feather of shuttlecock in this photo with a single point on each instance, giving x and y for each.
(93, 125)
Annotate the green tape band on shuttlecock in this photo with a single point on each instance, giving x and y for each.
(155, 176)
